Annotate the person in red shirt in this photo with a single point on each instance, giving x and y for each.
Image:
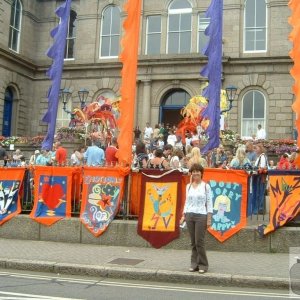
(284, 163)
(110, 153)
(60, 154)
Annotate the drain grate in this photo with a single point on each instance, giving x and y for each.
(126, 261)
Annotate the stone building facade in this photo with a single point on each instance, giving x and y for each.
(255, 60)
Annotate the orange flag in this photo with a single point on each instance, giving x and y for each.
(52, 194)
(128, 57)
(294, 37)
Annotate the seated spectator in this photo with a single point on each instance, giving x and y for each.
(177, 156)
(33, 157)
(196, 158)
(44, 159)
(240, 160)
(141, 156)
(284, 163)
(159, 161)
(17, 156)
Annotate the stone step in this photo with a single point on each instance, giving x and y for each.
(124, 233)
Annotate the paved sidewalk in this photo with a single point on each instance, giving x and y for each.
(165, 265)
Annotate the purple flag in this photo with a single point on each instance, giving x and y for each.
(213, 71)
(56, 52)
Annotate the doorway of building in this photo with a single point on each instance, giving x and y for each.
(7, 112)
(171, 105)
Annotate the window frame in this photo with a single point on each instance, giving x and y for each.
(70, 38)
(255, 29)
(263, 121)
(152, 33)
(12, 29)
(179, 11)
(198, 30)
(110, 35)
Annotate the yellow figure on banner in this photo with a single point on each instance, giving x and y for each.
(162, 206)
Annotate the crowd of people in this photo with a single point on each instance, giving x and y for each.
(159, 148)
(153, 148)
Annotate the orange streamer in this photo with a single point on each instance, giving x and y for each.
(128, 57)
(294, 37)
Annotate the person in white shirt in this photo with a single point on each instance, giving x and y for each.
(148, 131)
(197, 213)
(261, 133)
(172, 139)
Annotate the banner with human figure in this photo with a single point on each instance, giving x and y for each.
(160, 206)
(10, 183)
(52, 194)
(284, 198)
(101, 197)
(229, 188)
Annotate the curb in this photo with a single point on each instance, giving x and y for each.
(146, 274)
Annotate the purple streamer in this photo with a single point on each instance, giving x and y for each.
(213, 71)
(56, 52)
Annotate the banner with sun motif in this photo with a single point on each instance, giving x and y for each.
(229, 189)
(10, 183)
(160, 206)
(284, 198)
(101, 197)
(52, 194)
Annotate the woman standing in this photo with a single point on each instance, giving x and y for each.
(197, 213)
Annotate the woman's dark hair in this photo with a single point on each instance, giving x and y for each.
(197, 167)
(159, 153)
(140, 148)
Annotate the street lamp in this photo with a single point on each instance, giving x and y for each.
(65, 96)
(230, 95)
(83, 94)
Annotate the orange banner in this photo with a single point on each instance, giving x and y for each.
(52, 194)
(10, 184)
(284, 198)
(129, 57)
(294, 37)
(101, 197)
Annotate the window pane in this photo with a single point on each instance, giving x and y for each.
(71, 43)
(185, 42)
(15, 40)
(202, 40)
(248, 105)
(173, 43)
(105, 42)
(154, 24)
(261, 13)
(72, 24)
(153, 44)
(259, 105)
(250, 13)
(186, 22)
(249, 38)
(114, 45)
(106, 21)
(174, 22)
(260, 46)
(10, 37)
(178, 4)
(116, 21)
(17, 19)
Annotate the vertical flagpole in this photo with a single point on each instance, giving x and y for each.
(56, 53)
(129, 58)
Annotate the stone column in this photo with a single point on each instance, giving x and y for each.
(146, 102)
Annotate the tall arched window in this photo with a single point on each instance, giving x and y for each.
(15, 25)
(255, 26)
(69, 50)
(179, 27)
(253, 112)
(110, 32)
